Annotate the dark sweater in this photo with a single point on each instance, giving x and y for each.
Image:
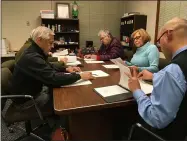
(32, 71)
(111, 51)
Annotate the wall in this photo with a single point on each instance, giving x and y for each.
(170, 9)
(93, 15)
(148, 8)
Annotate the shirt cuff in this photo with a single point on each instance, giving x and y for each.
(98, 58)
(138, 93)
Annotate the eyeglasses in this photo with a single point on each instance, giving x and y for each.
(158, 40)
(136, 38)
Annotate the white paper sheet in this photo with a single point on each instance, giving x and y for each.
(92, 62)
(110, 90)
(98, 73)
(117, 60)
(90, 59)
(111, 66)
(79, 83)
(147, 88)
(60, 53)
(74, 63)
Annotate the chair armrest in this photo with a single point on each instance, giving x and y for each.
(25, 96)
(138, 125)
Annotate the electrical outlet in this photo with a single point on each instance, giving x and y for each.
(27, 23)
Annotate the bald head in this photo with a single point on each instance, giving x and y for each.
(177, 24)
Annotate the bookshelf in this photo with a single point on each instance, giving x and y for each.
(66, 33)
(128, 25)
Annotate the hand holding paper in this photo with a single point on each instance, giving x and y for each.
(145, 75)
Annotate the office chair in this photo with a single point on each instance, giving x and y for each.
(13, 115)
(149, 133)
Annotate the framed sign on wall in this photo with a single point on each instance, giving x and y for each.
(63, 10)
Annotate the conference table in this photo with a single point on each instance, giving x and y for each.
(90, 116)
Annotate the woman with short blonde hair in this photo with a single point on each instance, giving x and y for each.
(146, 55)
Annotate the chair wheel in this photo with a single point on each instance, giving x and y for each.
(10, 130)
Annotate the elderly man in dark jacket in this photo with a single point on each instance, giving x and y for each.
(110, 49)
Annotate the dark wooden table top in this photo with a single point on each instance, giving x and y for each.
(83, 98)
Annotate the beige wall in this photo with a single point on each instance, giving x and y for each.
(93, 15)
(148, 8)
(171, 9)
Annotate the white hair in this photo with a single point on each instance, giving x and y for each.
(42, 32)
(104, 32)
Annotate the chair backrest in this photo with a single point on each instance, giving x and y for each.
(8, 64)
(5, 79)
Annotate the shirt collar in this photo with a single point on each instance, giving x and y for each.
(179, 51)
(144, 46)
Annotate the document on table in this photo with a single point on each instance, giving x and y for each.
(111, 66)
(79, 83)
(93, 62)
(61, 53)
(89, 59)
(145, 87)
(113, 93)
(98, 73)
(73, 63)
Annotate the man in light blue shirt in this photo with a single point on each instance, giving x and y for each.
(165, 106)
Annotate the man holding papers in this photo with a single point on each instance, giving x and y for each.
(110, 49)
(34, 75)
(164, 112)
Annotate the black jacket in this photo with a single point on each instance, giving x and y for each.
(32, 71)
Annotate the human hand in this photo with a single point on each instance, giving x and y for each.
(86, 76)
(64, 59)
(134, 70)
(145, 75)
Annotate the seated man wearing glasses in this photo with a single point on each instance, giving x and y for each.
(110, 49)
(164, 112)
(146, 55)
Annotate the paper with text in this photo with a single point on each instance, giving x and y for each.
(79, 83)
(110, 90)
(145, 87)
(94, 62)
(98, 73)
(111, 66)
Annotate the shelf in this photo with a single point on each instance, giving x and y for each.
(66, 32)
(69, 19)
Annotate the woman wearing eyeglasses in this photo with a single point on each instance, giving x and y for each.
(146, 55)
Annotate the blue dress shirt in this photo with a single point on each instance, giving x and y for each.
(169, 87)
(146, 57)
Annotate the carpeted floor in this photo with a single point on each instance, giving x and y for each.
(43, 132)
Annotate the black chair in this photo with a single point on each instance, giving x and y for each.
(146, 132)
(13, 115)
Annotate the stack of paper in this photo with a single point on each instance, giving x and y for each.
(111, 66)
(61, 53)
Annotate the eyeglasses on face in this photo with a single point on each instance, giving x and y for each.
(136, 38)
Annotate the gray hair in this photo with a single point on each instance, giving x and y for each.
(105, 32)
(42, 32)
